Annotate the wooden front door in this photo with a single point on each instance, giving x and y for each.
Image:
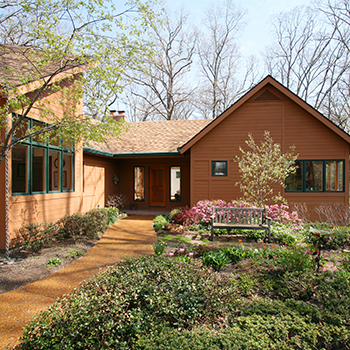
(157, 187)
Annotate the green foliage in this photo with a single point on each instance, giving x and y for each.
(339, 238)
(37, 235)
(134, 297)
(262, 168)
(160, 221)
(95, 36)
(216, 260)
(53, 262)
(74, 253)
(235, 254)
(294, 259)
(113, 215)
(159, 248)
(74, 225)
(97, 221)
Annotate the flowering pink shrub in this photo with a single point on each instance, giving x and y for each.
(281, 214)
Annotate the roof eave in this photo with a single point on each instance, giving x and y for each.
(130, 154)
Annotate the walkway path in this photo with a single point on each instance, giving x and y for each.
(132, 236)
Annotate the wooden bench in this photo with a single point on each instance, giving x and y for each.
(241, 218)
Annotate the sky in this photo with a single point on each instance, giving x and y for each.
(256, 34)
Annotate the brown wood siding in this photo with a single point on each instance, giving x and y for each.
(48, 207)
(98, 181)
(126, 177)
(289, 124)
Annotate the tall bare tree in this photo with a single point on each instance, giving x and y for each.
(220, 60)
(162, 86)
(307, 57)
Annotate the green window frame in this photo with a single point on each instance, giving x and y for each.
(139, 183)
(327, 175)
(175, 177)
(41, 167)
(219, 168)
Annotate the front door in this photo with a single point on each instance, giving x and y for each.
(157, 187)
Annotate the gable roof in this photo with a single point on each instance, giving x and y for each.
(150, 138)
(268, 80)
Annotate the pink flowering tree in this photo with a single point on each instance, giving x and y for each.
(262, 168)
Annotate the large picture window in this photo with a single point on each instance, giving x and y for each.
(317, 176)
(41, 167)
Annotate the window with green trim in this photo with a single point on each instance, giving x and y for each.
(41, 167)
(317, 176)
(219, 168)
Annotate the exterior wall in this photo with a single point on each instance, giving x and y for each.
(126, 170)
(288, 124)
(98, 181)
(48, 207)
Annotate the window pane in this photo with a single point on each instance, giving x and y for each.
(38, 126)
(139, 183)
(175, 183)
(20, 169)
(54, 140)
(67, 175)
(219, 168)
(38, 169)
(21, 129)
(334, 175)
(314, 175)
(294, 182)
(54, 171)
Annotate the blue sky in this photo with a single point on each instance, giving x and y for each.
(256, 34)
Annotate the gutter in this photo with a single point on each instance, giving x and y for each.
(131, 154)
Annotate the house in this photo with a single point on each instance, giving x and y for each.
(167, 164)
(175, 163)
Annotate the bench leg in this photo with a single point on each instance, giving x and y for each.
(212, 233)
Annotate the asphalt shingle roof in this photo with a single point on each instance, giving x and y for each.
(153, 136)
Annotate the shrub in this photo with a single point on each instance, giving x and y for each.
(235, 254)
(280, 213)
(73, 225)
(36, 235)
(134, 297)
(159, 222)
(112, 215)
(186, 216)
(294, 259)
(117, 201)
(339, 238)
(159, 248)
(97, 221)
(216, 260)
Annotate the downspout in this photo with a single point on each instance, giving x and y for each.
(7, 192)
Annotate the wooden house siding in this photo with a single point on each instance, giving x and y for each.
(46, 207)
(98, 181)
(288, 124)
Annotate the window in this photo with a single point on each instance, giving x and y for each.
(41, 167)
(175, 184)
(139, 183)
(219, 168)
(317, 176)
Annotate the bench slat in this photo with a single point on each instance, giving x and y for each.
(240, 218)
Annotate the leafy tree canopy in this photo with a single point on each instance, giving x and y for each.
(46, 46)
(262, 168)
